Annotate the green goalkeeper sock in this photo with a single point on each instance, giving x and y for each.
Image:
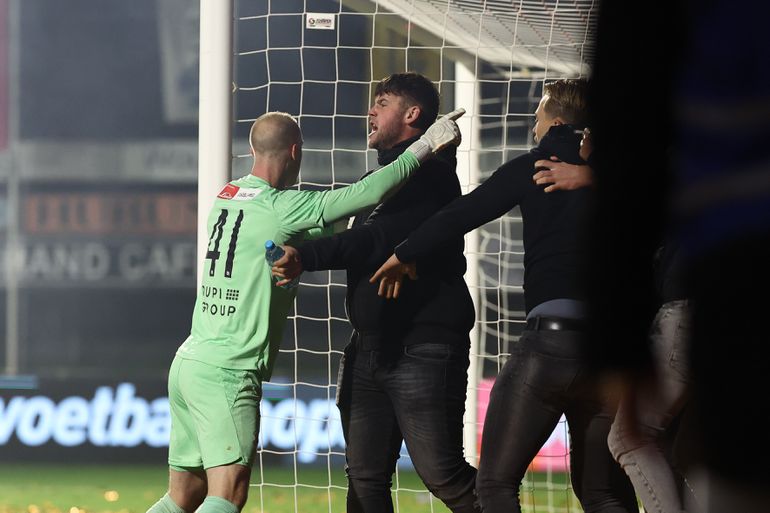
(214, 504)
(165, 505)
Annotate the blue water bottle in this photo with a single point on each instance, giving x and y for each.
(273, 253)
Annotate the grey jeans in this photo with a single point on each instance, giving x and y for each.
(637, 447)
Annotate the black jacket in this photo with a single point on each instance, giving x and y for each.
(435, 308)
(669, 273)
(554, 223)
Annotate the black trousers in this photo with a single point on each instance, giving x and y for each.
(544, 378)
(414, 394)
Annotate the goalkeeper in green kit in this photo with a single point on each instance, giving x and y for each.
(215, 380)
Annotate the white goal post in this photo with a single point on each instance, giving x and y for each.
(318, 60)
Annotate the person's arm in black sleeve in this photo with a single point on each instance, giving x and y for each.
(368, 245)
(497, 195)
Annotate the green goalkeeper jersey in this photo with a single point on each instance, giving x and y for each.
(239, 314)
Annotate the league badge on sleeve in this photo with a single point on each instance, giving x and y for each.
(228, 192)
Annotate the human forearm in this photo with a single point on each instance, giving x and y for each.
(369, 244)
(487, 202)
(329, 252)
(369, 191)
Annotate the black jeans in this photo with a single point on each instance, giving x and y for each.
(545, 377)
(416, 395)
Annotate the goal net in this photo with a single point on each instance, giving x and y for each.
(318, 60)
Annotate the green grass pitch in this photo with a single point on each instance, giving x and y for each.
(61, 488)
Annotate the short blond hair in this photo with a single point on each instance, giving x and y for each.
(567, 99)
(273, 133)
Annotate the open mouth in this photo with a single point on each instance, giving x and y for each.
(372, 128)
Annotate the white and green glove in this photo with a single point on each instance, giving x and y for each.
(438, 136)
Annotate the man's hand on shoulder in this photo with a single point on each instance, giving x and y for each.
(288, 267)
(391, 275)
(561, 176)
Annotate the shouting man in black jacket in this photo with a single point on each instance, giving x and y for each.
(404, 374)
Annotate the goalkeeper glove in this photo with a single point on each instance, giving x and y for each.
(438, 136)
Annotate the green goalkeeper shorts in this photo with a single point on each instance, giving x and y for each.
(214, 415)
